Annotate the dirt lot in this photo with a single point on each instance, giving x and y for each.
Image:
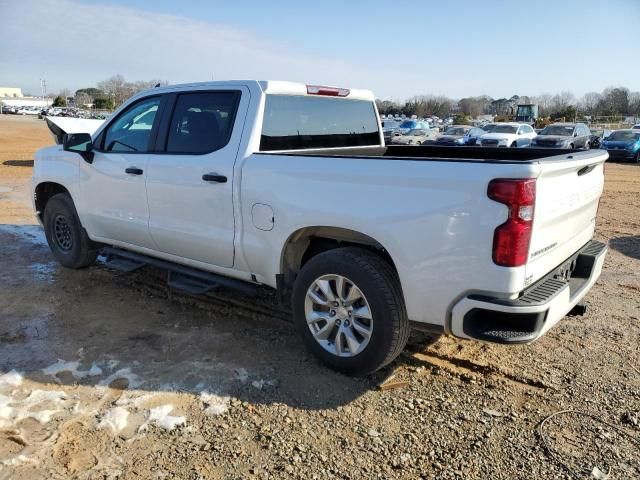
(106, 375)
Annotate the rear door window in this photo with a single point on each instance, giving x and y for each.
(202, 122)
(299, 122)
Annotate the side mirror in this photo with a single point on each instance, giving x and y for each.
(79, 143)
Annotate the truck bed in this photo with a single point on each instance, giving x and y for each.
(430, 152)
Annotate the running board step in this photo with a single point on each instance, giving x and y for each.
(189, 284)
(123, 264)
(187, 279)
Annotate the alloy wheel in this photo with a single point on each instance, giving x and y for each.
(338, 315)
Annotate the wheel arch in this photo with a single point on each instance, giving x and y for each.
(43, 192)
(307, 242)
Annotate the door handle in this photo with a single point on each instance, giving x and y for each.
(214, 177)
(133, 171)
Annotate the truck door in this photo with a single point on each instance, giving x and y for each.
(114, 198)
(190, 184)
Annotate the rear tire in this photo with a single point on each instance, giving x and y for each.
(66, 237)
(386, 328)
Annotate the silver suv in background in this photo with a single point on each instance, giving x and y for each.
(563, 135)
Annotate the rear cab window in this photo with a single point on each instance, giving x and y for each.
(296, 122)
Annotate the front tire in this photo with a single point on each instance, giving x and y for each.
(349, 309)
(67, 240)
(514, 145)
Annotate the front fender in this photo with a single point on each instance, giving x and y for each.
(54, 165)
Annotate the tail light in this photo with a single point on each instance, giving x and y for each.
(511, 239)
(328, 91)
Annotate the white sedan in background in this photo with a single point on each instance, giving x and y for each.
(508, 135)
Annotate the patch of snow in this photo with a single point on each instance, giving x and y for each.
(73, 368)
(115, 419)
(31, 233)
(215, 404)
(241, 374)
(133, 379)
(94, 371)
(18, 460)
(42, 416)
(258, 384)
(41, 396)
(13, 411)
(160, 416)
(11, 379)
(111, 364)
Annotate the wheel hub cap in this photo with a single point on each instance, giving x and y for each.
(338, 315)
(62, 233)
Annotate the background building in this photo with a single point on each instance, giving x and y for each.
(10, 92)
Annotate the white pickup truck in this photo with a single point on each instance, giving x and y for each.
(290, 186)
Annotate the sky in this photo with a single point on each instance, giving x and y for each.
(397, 49)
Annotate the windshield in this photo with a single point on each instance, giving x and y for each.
(624, 136)
(504, 129)
(489, 127)
(563, 130)
(597, 133)
(416, 132)
(476, 132)
(408, 124)
(455, 131)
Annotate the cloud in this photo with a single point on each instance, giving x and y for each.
(80, 44)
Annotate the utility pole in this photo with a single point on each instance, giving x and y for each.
(43, 87)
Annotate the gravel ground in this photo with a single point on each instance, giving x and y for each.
(107, 375)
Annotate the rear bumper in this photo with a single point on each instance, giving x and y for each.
(537, 309)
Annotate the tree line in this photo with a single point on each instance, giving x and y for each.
(612, 101)
(107, 94)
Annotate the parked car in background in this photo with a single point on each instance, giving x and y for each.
(636, 127)
(407, 125)
(29, 111)
(472, 136)
(597, 136)
(417, 136)
(508, 135)
(404, 127)
(388, 128)
(563, 135)
(623, 145)
(454, 135)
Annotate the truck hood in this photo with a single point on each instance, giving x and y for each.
(61, 125)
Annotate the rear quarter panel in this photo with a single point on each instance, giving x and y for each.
(433, 217)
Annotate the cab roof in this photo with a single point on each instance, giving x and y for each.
(275, 87)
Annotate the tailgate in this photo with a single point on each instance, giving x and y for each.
(568, 190)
